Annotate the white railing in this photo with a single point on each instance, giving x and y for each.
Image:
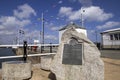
(30, 55)
(20, 45)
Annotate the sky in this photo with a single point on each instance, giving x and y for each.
(25, 15)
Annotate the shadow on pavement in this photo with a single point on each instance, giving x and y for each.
(113, 54)
(112, 63)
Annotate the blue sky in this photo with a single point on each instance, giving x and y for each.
(25, 15)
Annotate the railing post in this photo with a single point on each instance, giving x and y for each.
(25, 51)
(41, 48)
(50, 47)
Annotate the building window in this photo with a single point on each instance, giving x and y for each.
(111, 37)
(119, 36)
(116, 36)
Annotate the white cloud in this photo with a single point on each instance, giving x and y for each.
(91, 31)
(24, 11)
(52, 26)
(8, 22)
(92, 13)
(24, 22)
(9, 25)
(85, 3)
(55, 28)
(1, 27)
(2, 19)
(72, 0)
(6, 32)
(109, 24)
(11, 22)
(66, 11)
(35, 35)
(51, 37)
(96, 13)
(60, 2)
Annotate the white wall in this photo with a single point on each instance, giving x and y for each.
(60, 35)
(82, 31)
(107, 41)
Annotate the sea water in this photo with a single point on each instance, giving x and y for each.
(7, 52)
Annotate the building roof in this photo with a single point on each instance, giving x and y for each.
(71, 25)
(111, 30)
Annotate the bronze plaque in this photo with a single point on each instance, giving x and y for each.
(72, 54)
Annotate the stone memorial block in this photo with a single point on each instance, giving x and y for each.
(16, 70)
(77, 58)
(46, 62)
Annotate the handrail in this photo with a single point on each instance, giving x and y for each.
(20, 45)
(29, 55)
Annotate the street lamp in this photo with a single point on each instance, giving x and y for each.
(42, 28)
(20, 32)
(82, 20)
(42, 32)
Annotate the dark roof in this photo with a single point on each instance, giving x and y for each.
(71, 25)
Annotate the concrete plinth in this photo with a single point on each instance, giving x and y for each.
(16, 70)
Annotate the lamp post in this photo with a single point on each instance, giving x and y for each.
(42, 33)
(19, 33)
(42, 28)
(82, 20)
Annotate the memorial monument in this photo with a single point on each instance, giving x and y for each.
(77, 58)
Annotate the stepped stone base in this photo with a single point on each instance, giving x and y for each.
(16, 70)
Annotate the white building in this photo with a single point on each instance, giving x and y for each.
(36, 41)
(78, 29)
(111, 38)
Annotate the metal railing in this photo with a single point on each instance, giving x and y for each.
(21, 45)
(30, 55)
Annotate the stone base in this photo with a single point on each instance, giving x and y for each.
(16, 70)
(46, 62)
